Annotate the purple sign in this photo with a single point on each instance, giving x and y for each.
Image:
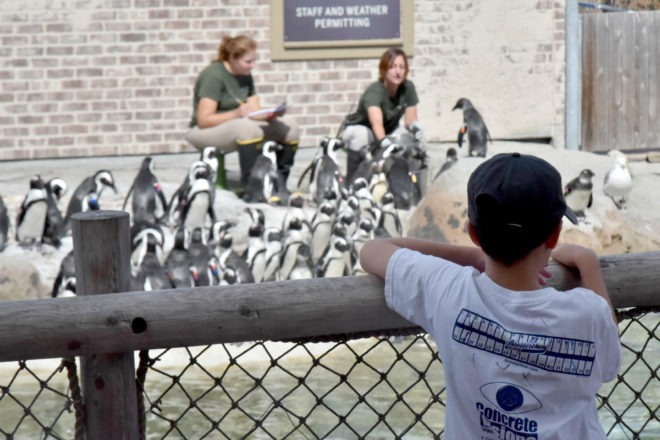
(336, 20)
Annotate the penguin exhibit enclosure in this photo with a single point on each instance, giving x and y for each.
(186, 232)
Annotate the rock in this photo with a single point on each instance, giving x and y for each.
(20, 280)
(442, 213)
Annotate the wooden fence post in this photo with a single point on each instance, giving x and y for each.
(101, 244)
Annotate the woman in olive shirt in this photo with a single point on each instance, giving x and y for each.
(224, 95)
(380, 109)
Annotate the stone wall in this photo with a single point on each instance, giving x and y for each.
(114, 77)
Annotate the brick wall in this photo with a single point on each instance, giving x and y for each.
(114, 77)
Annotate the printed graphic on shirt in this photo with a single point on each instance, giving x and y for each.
(550, 353)
(500, 420)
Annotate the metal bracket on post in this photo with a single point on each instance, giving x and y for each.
(101, 245)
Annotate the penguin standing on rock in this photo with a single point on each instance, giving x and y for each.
(324, 171)
(618, 180)
(31, 218)
(148, 202)
(578, 193)
(92, 184)
(54, 228)
(264, 182)
(196, 203)
(477, 132)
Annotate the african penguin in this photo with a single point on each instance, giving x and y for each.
(56, 188)
(390, 221)
(139, 234)
(451, 159)
(322, 223)
(335, 261)
(324, 171)
(151, 272)
(230, 260)
(4, 224)
(200, 256)
(378, 183)
(273, 241)
(578, 193)
(264, 181)
(198, 206)
(92, 184)
(296, 208)
(65, 281)
(618, 180)
(294, 238)
(477, 132)
(31, 218)
(255, 254)
(148, 203)
(177, 263)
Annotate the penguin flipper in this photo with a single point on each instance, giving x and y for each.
(591, 199)
(128, 195)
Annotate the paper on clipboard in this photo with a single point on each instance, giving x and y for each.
(265, 111)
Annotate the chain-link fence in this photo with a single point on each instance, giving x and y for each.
(382, 387)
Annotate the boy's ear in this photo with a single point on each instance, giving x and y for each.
(473, 234)
(553, 239)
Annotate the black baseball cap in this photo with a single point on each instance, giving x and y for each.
(517, 195)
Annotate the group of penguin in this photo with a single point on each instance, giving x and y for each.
(317, 237)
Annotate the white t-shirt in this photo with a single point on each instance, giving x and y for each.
(519, 365)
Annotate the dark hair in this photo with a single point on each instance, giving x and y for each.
(388, 58)
(506, 245)
(235, 47)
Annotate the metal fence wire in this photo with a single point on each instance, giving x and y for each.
(380, 387)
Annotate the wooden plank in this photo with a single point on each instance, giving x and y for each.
(642, 83)
(588, 78)
(615, 85)
(601, 95)
(629, 80)
(101, 247)
(280, 310)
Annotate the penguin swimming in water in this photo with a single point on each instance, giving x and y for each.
(56, 188)
(4, 224)
(578, 193)
(477, 132)
(31, 218)
(264, 181)
(618, 180)
(92, 184)
(324, 171)
(450, 161)
(148, 203)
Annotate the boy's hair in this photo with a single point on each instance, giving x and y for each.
(515, 202)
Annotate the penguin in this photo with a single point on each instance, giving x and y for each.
(200, 256)
(618, 181)
(151, 275)
(401, 181)
(390, 220)
(363, 233)
(335, 261)
(209, 156)
(65, 281)
(293, 239)
(177, 263)
(148, 202)
(56, 188)
(197, 203)
(92, 184)
(178, 201)
(450, 161)
(139, 234)
(296, 208)
(4, 224)
(255, 254)
(477, 132)
(578, 193)
(378, 183)
(322, 223)
(361, 191)
(377, 216)
(273, 242)
(303, 267)
(324, 171)
(31, 218)
(230, 260)
(264, 181)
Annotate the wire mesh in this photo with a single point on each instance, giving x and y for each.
(371, 387)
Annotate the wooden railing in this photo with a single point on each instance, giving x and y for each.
(105, 326)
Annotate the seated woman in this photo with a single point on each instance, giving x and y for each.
(380, 109)
(224, 96)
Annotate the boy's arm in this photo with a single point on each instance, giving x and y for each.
(376, 254)
(587, 263)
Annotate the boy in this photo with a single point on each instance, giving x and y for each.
(521, 360)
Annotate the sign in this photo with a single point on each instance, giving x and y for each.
(338, 20)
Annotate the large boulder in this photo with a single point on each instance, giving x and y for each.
(442, 213)
(20, 280)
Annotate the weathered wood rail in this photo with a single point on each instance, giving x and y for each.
(105, 328)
